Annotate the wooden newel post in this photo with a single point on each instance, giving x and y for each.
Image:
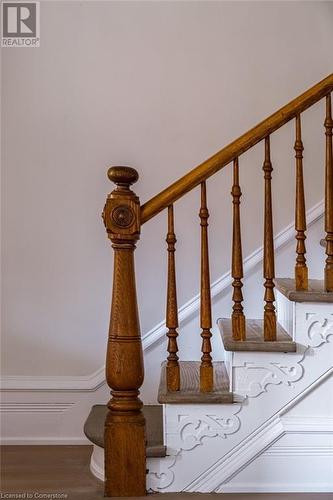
(125, 455)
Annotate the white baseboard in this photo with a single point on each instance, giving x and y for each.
(278, 488)
(54, 441)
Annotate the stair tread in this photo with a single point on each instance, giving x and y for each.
(255, 338)
(315, 293)
(189, 392)
(94, 428)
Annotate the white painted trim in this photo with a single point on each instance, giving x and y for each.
(79, 383)
(35, 407)
(278, 488)
(216, 477)
(95, 380)
(52, 441)
(299, 451)
(97, 462)
(305, 425)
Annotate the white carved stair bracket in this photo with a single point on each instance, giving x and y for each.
(187, 427)
(254, 373)
(160, 474)
(192, 431)
(319, 327)
(252, 379)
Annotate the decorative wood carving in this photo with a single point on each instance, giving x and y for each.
(269, 273)
(206, 368)
(253, 379)
(329, 196)
(238, 318)
(161, 474)
(172, 368)
(125, 460)
(319, 327)
(301, 269)
(193, 430)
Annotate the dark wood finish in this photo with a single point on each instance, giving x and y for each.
(254, 338)
(125, 454)
(235, 149)
(190, 391)
(173, 374)
(237, 317)
(94, 428)
(206, 367)
(301, 269)
(269, 308)
(329, 196)
(316, 291)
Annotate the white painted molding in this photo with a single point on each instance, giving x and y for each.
(85, 383)
(35, 407)
(299, 451)
(280, 488)
(95, 380)
(216, 477)
(97, 462)
(44, 441)
(305, 425)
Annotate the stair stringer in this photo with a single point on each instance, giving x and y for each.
(209, 444)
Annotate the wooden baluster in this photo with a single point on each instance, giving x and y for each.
(206, 367)
(125, 451)
(172, 369)
(301, 269)
(329, 197)
(269, 309)
(237, 317)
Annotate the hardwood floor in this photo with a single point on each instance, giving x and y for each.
(64, 470)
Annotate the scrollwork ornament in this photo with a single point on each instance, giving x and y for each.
(163, 476)
(192, 431)
(319, 327)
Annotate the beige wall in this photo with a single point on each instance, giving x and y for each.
(159, 86)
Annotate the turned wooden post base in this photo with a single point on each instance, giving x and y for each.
(206, 378)
(124, 451)
(173, 377)
(238, 326)
(269, 326)
(301, 278)
(329, 279)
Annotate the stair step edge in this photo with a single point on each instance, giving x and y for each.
(254, 338)
(190, 391)
(315, 293)
(94, 428)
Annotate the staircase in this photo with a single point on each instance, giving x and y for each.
(217, 416)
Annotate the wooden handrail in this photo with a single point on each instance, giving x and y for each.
(209, 167)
